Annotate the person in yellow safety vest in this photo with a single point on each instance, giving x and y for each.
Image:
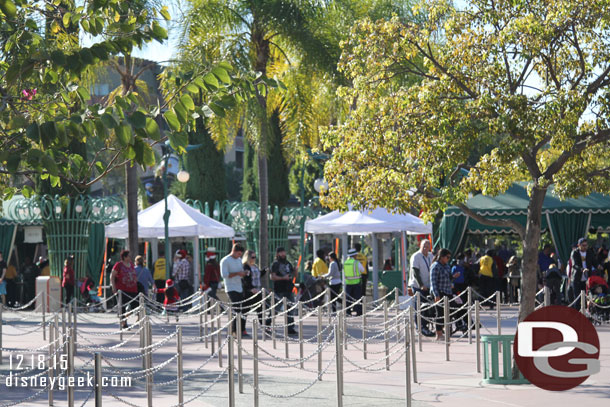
(363, 260)
(159, 276)
(352, 270)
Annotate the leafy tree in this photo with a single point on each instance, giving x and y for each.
(206, 168)
(277, 171)
(45, 107)
(526, 81)
(249, 185)
(313, 171)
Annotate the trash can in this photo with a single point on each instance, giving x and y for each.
(392, 279)
(51, 299)
(493, 345)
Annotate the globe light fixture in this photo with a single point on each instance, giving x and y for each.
(183, 176)
(320, 185)
(58, 209)
(78, 208)
(216, 213)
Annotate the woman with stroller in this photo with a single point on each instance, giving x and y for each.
(334, 276)
(252, 285)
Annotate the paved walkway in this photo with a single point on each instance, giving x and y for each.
(440, 383)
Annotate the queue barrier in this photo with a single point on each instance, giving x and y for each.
(493, 345)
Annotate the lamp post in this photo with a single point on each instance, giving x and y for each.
(182, 176)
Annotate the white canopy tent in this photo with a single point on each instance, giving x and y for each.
(366, 222)
(184, 221)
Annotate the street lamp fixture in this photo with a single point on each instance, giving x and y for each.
(183, 176)
(320, 185)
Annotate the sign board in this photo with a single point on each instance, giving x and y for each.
(32, 234)
(51, 299)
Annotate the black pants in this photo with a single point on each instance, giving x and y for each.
(440, 314)
(254, 304)
(160, 296)
(363, 279)
(289, 299)
(335, 291)
(354, 293)
(68, 293)
(577, 287)
(488, 286)
(238, 307)
(214, 288)
(11, 292)
(126, 298)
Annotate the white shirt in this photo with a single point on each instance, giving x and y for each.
(583, 256)
(334, 274)
(423, 263)
(230, 265)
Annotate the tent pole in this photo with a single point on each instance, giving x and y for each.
(344, 246)
(196, 267)
(316, 244)
(375, 266)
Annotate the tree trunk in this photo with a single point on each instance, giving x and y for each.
(531, 242)
(263, 237)
(131, 182)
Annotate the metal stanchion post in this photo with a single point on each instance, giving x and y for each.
(408, 359)
(218, 335)
(179, 363)
(285, 309)
(120, 314)
(264, 321)
(231, 372)
(255, 359)
(44, 316)
(300, 307)
(329, 306)
(397, 303)
(52, 358)
(477, 330)
(70, 367)
(419, 325)
(498, 312)
(201, 312)
(583, 302)
(98, 379)
(385, 335)
(63, 327)
(74, 323)
(469, 315)
(273, 320)
(547, 296)
(205, 322)
(212, 318)
(447, 326)
(240, 381)
(412, 341)
(338, 363)
(319, 342)
(364, 327)
(149, 374)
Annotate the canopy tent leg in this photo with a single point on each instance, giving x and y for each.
(154, 251)
(316, 244)
(344, 246)
(196, 267)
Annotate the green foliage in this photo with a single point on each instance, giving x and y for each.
(277, 169)
(249, 185)
(45, 106)
(206, 168)
(313, 171)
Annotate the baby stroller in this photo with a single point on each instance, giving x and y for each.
(86, 286)
(310, 288)
(598, 299)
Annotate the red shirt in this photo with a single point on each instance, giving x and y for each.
(211, 274)
(68, 276)
(126, 278)
(169, 300)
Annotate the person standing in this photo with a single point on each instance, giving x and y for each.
(124, 278)
(252, 284)
(514, 276)
(583, 259)
(160, 275)
(3, 269)
(419, 280)
(365, 267)
(441, 287)
(67, 281)
(352, 270)
(211, 273)
(319, 267)
(29, 272)
(282, 274)
(335, 279)
(182, 275)
(11, 284)
(43, 266)
(487, 273)
(232, 272)
(145, 278)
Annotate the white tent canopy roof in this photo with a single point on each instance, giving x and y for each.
(184, 221)
(364, 222)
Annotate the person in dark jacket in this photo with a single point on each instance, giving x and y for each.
(211, 273)
(583, 259)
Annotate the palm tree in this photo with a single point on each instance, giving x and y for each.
(295, 42)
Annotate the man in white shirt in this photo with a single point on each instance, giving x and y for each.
(232, 271)
(419, 276)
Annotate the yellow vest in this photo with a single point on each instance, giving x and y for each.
(319, 268)
(46, 271)
(362, 259)
(352, 271)
(11, 272)
(159, 269)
